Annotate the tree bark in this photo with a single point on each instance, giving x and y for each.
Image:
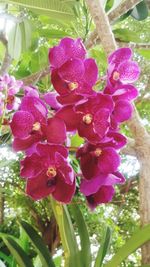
(123, 8)
(102, 25)
(142, 147)
(139, 133)
(1, 206)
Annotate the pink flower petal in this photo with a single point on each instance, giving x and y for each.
(64, 192)
(91, 71)
(122, 111)
(104, 195)
(72, 70)
(35, 106)
(73, 48)
(129, 71)
(37, 188)
(56, 131)
(22, 124)
(70, 118)
(109, 160)
(120, 55)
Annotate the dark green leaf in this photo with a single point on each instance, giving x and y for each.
(5, 258)
(109, 5)
(84, 236)
(103, 248)
(40, 247)
(19, 254)
(140, 11)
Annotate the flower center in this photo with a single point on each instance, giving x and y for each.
(116, 75)
(36, 126)
(51, 172)
(10, 99)
(73, 85)
(87, 119)
(97, 152)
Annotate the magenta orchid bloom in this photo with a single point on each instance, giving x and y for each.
(91, 118)
(72, 76)
(30, 118)
(75, 79)
(101, 188)
(48, 167)
(121, 68)
(96, 160)
(67, 49)
(9, 87)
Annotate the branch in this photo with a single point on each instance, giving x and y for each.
(129, 149)
(33, 78)
(122, 9)
(138, 131)
(7, 59)
(134, 45)
(102, 25)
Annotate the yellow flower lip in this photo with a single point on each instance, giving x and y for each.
(116, 75)
(51, 172)
(73, 85)
(36, 126)
(87, 119)
(97, 152)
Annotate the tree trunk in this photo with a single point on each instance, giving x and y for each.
(144, 191)
(1, 206)
(139, 133)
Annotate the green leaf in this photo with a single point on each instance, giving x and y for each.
(24, 240)
(19, 254)
(84, 236)
(52, 33)
(56, 9)
(26, 32)
(76, 141)
(14, 41)
(37, 241)
(70, 246)
(5, 258)
(127, 35)
(145, 53)
(103, 248)
(133, 243)
(109, 5)
(140, 11)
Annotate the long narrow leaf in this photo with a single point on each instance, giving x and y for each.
(136, 241)
(40, 247)
(6, 258)
(84, 236)
(103, 248)
(68, 238)
(19, 254)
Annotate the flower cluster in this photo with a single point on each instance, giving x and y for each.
(43, 124)
(9, 87)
